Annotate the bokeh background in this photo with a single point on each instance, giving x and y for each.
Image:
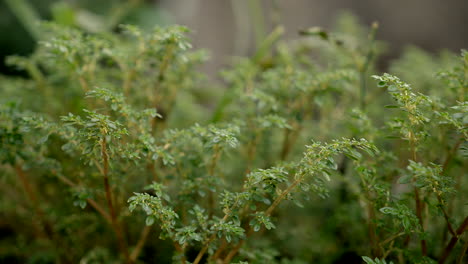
(229, 28)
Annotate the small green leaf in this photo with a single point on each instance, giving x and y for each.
(381, 84)
(368, 260)
(149, 220)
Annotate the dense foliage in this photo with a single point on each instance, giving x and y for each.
(115, 149)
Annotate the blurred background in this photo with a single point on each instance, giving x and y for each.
(229, 28)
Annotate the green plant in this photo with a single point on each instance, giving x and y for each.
(113, 151)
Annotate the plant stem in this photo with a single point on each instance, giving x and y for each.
(160, 78)
(374, 239)
(453, 241)
(265, 46)
(268, 212)
(417, 198)
(131, 73)
(252, 150)
(286, 145)
(463, 252)
(203, 250)
(213, 236)
(211, 173)
(391, 238)
(290, 137)
(363, 89)
(115, 223)
(385, 255)
(371, 219)
(180, 249)
(458, 181)
(30, 193)
(210, 239)
(282, 196)
(363, 70)
(451, 153)
(446, 217)
(419, 210)
(233, 252)
(46, 225)
(93, 203)
(141, 242)
(219, 250)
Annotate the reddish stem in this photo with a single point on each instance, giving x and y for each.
(453, 241)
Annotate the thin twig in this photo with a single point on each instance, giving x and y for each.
(207, 243)
(251, 151)
(160, 78)
(446, 217)
(141, 242)
(31, 194)
(233, 252)
(268, 212)
(453, 241)
(219, 250)
(385, 255)
(211, 173)
(391, 238)
(363, 70)
(91, 202)
(450, 154)
(419, 210)
(463, 252)
(113, 214)
(417, 198)
(212, 237)
(374, 239)
(47, 226)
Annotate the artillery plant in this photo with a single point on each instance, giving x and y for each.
(115, 149)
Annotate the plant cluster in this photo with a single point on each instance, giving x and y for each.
(115, 149)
